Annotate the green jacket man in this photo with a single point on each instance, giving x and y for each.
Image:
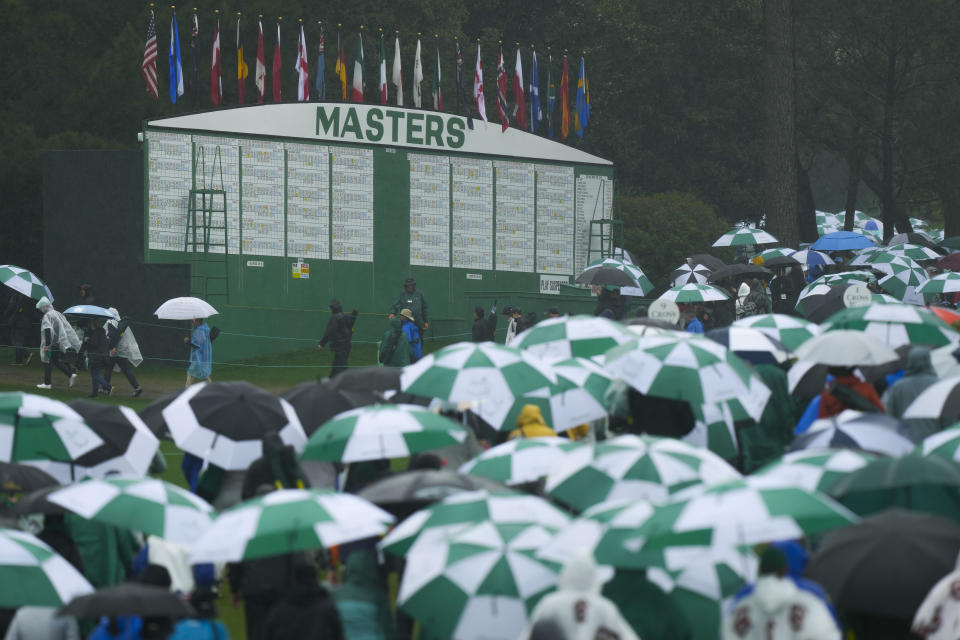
(394, 347)
(413, 300)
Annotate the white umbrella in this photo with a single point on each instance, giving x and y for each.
(845, 348)
(186, 308)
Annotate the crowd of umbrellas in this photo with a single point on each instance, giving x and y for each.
(484, 539)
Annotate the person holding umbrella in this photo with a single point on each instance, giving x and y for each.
(57, 337)
(98, 355)
(201, 352)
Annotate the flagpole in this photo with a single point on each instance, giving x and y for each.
(321, 68)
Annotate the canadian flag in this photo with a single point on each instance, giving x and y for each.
(260, 73)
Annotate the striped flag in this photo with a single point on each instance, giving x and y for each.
(397, 72)
(520, 104)
(565, 100)
(437, 92)
(277, 67)
(417, 78)
(176, 66)
(216, 86)
(341, 68)
(321, 67)
(478, 88)
(303, 71)
(533, 92)
(148, 69)
(242, 70)
(383, 71)
(502, 93)
(260, 73)
(356, 94)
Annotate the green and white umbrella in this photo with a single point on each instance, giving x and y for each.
(461, 510)
(634, 467)
(25, 282)
(34, 574)
(46, 434)
(520, 460)
(894, 325)
(944, 444)
(912, 251)
(776, 252)
(697, 370)
(694, 292)
(742, 236)
(380, 432)
(478, 583)
(578, 397)
(816, 470)
(791, 331)
(947, 282)
(567, 337)
(145, 504)
(286, 521)
(615, 272)
(490, 376)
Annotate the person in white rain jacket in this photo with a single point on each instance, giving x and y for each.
(57, 337)
(124, 351)
(777, 609)
(578, 609)
(938, 617)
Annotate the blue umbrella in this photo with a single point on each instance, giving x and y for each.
(89, 311)
(842, 241)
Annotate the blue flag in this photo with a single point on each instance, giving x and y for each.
(321, 85)
(533, 93)
(582, 112)
(173, 58)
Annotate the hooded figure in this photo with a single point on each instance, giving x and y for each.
(56, 338)
(339, 334)
(413, 300)
(742, 294)
(919, 375)
(530, 424)
(938, 617)
(577, 606)
(201, 352)
(361, 601)
(394, 347)
(124, 350)
(484, 328)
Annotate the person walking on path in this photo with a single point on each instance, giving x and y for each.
(98, 355)
(483, 329)
(57, 339)
(394, 347)
(201, 352)
(413, 300)
(124, 351)
(17, 315)
(409, 326)
(338, 334)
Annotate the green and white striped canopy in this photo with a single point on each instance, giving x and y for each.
(630, 274)
(34, 574)
(149, 505)
(742, 236)
(810, 470)
(381, 432)
(25, 282)
(458, 511)
(634, 467)
(791, 331)
(697, 370)
(286, 521)
(894, 324)
(694, 292)
(478, 583)
(490, 376)
(567, 337)
(520, 460)
(947, 282)
(46, 434)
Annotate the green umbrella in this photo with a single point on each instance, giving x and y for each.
(520, 460)
(912, 251)
(381, 432)
(895, 325)
(947, 282)
(613, 271)
(24, 282)
(694, 292)
(944, 444)
(579, 397)
(930, 484)
(742, 236)
(791, 331)
(776, 252)
(566, 337)
(34, 574)
(814, 470)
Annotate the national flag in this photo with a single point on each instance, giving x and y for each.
(383, 71)
(303, 69)
(582, 114)
(551, 97)
(520, 103)
(461, 90)
(176, 68)
(277, 68)
(397, 72)
(437, 91)
(340, 69)
(260, 75)
(242, 69)
(356, 94)
(502, 93)
(536, 114)
(194, 59)
(478, 87)
(321, 68)
(216, 87)
(148, 68)
(565, 100)
(417, 78)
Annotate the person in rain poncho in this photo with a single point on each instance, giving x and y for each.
(413, 300)
(394, 347)
(530, 424)
(938, 617)
(124, 350)
(776, 609)
(919, 375)
(201, 352)
(362, 601)
(742, 294)
(577, 606)
(57, 338)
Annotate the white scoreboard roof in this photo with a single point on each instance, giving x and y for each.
(379, 125)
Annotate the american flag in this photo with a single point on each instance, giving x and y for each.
(149, 67)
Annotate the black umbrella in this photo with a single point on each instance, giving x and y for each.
(36, 502)
(404, 493)
(915, 238)
(707, 260)
(731, 271)
(886, 564)
(818, 307)
(607, 276)
(18, 478)
(152, 414)
(128, 444)
(781, 262)
(129, 599)
(316, 401)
